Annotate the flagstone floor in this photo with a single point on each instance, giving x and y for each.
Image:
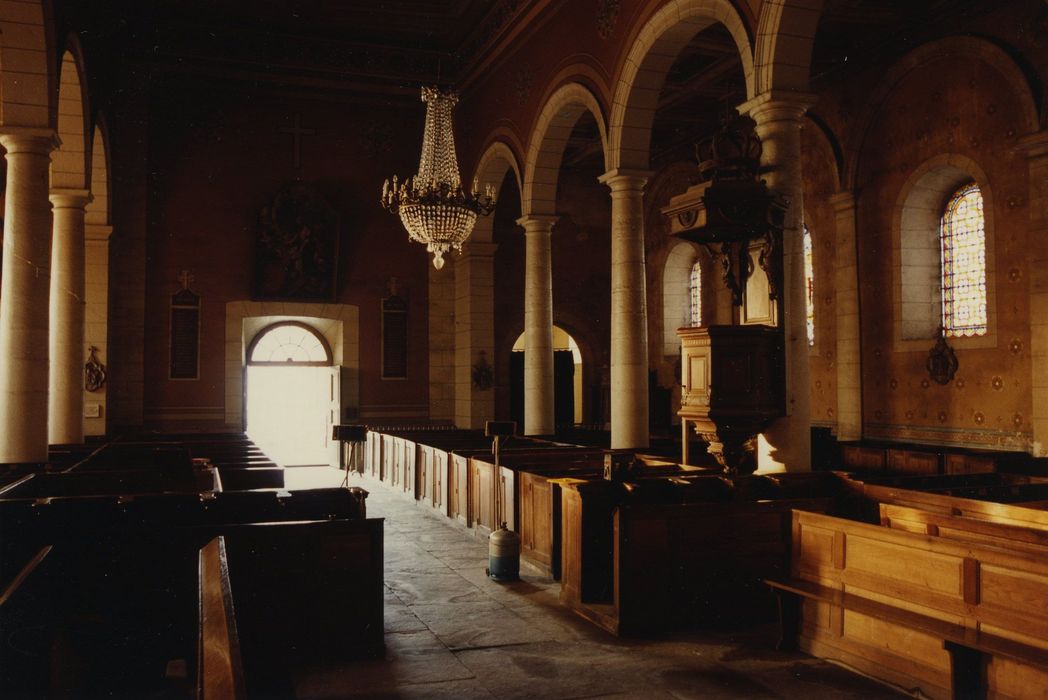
(451, 632)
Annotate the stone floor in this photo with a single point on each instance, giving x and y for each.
(453, 633)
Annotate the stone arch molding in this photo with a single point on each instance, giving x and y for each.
(338, 324)
(644, 69)
(941, 50)
(916, 276)
(496, 161)
(676, 294)
(70, 162)
(785, 35)
(25, 66)
(546, 145)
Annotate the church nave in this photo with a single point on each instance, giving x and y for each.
(451, 632)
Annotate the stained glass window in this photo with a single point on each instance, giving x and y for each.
(809, 283)
(962, 235)
(695, 287)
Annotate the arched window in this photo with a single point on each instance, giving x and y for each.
(695, 294)
(962, 237)
(809, 284)
(288, 343)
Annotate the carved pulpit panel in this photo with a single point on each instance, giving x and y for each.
(733, 387)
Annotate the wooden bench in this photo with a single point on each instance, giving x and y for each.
(220, 671)
(909, 458)
(1029, 538)
(25, 602)
(637, 567)
(937, 616)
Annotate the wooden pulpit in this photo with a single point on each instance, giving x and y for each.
(732, 388)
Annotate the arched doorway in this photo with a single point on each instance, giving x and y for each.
(291, 391)
(567, 380)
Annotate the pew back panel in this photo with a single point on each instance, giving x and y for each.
(984, 596)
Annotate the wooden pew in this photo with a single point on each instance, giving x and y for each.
(650, 555)
(1029, 538)
(941, 617)
(1025, 496)
(220, 672)
(25, 609)
(911, 458)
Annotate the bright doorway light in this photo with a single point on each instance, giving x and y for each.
(291, 394)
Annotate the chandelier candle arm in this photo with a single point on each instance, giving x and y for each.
(433, 206)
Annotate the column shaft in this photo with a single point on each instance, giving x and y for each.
(629, 312)
(849, 358)
(24, 298)
(474, 333)
(538, 326)
(779, 120)
(65, 423)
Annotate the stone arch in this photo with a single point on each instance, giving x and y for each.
(644, 69)
(496, 161)
(785, 34)
(546, 145)
(97, 211)
(26, 75)
(941, 50)
(70, 161)
(676, 301)
(915, 241)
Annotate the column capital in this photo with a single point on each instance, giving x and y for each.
(28, 139)
(537, 223)
(97, 232)
(842, 201)
(621, 179)
(1035, 145)
(778, 106)
(68, 198)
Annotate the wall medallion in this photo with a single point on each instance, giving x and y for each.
(942, 362)
(94, 371)
(482, 375)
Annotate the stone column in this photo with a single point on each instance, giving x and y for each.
(779, 118)
(24, 296)
(538, 325)
(629, 312)
(441, 343)
(474, 333)
(96, 318)
(65, 416)
(849, 359)
(1036, 147)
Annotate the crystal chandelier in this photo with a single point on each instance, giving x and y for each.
(433, 206)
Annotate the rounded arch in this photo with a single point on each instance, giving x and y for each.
(497, 160)
(70, 162)
(26, 69)
(98, 208)
(644, 69)
(785, 34)
(298, 342)
(915, 239)
(946, 49)
(676, 293)
(547, 141)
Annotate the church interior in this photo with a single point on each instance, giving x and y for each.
(639, 348)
